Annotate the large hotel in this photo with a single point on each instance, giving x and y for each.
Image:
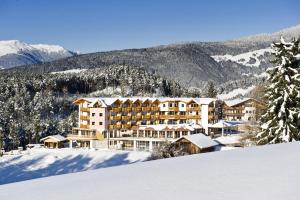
(143, 123)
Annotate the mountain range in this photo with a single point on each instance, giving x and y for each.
(15, 53)
(239, 63)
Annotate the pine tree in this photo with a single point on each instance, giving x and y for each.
(281, 122)
(211, 91)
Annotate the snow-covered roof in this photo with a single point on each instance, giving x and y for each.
(236, 101)
(223, 124)
(108, 101)
(200, 140)
(227, 140)
(58, 138)
(160, 127)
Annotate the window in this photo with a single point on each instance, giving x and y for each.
(93, 123)
(100, 114)
(182, 105)
(93, 114)
(164, 105)
(100, 123)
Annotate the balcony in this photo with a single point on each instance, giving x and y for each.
(146, 117)
(193, 116)
(82, 117)
(176, 109)
(154, 108)
(85, 109)
(87, 136)
(126, 126)
(116, 109)
(126, 109)
(146, 108)
(84, 126)
(126, 117)
(154, 116)
(192, 109)
(136, 109)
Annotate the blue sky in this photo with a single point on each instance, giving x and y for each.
(100, 25)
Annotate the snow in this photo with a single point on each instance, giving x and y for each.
(265, 172)
(229, 140)
(69, 71)
(235, 92)
(297, 57)
(250, 59)
(202, 141)
(42, 162)
(55, 137)
(49, 48)
(13, 47)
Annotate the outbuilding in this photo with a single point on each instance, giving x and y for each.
(54, 141)
(196, 143)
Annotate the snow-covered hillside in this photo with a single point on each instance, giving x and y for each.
(14, 53)
(266, 172)
(235, 93)
(37, 163)
(250, 59)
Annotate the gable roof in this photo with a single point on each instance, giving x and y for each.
(200, 140)
(58, 138)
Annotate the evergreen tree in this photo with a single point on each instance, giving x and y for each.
(211, 91)
(282, 119)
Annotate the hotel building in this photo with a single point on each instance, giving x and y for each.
(141, 123)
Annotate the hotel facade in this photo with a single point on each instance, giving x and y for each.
(146, 123)
(141, 123)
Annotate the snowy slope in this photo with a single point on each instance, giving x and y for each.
(36, 163)
(235, 93)
(249, 59)
(15, 53)
(268, 172)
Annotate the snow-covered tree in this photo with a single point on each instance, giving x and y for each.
(281, 122)
(211, 91)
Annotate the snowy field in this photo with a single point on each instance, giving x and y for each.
(266, 172)
(37, 163)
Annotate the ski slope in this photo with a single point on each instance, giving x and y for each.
(267, 172)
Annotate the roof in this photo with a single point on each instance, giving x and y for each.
(160, 127)
(109, 101)
(200, 140)
(227, 140)
(223, 124)
(58, 138)
(235, 102)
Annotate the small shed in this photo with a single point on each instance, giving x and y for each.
(54, 141)
(196, 143)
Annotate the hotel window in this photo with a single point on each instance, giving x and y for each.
(100, 114)
(182, 105)
(100, 123)
(169, 134)
(170, 105)
(161, 121)
(93, 123)
(93, 114)
(164, 105)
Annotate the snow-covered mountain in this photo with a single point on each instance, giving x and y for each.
(254, 58)
(14, 53)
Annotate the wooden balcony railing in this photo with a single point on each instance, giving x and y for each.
(154, 108)
(126, 117)
(82, 117)
(146, 108)
(193, 109)
(84, 109)
(136, 109)
(86, 136)
(84, 126)
(117, 109)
